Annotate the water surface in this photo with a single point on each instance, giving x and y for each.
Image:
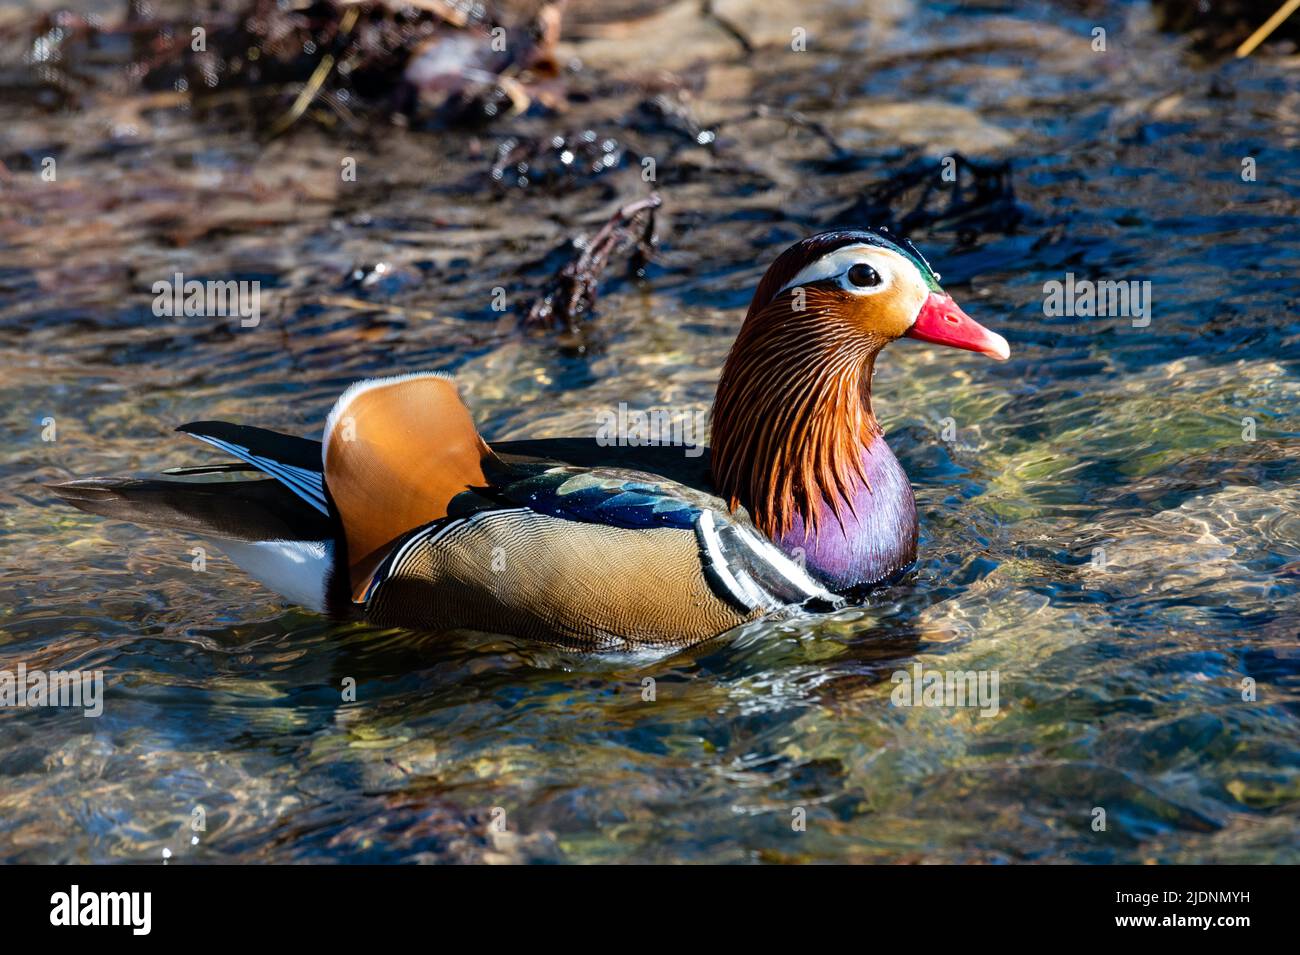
(1121, 677)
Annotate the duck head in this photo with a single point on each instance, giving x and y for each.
(794, 438)
(871, 287)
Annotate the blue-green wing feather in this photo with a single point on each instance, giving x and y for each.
(618, 498)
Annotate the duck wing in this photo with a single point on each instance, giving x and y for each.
(745, 566)
(596, 558)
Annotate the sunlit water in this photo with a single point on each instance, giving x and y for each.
(1097, 528)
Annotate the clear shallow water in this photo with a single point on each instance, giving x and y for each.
(1120, 687)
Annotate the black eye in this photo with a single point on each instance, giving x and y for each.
(864, 276)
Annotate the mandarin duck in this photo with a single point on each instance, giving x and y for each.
(404, 515)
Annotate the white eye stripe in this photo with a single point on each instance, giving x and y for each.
(835, 266)
(898, 274)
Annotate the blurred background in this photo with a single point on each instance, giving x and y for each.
(383, 169)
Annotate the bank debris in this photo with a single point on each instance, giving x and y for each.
(970, 197)
(1224, 26)
(570, 296)
(432, 62)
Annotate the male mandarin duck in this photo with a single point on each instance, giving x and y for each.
(405, 515)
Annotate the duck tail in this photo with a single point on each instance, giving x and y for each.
(266, 528)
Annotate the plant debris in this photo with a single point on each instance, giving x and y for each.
(973, 197)
(572, 292)
(1218, 28)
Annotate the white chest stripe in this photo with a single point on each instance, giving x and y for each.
(783, 565)
(769, 580)
(745, 594)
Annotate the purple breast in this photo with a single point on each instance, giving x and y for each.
(869, 546)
